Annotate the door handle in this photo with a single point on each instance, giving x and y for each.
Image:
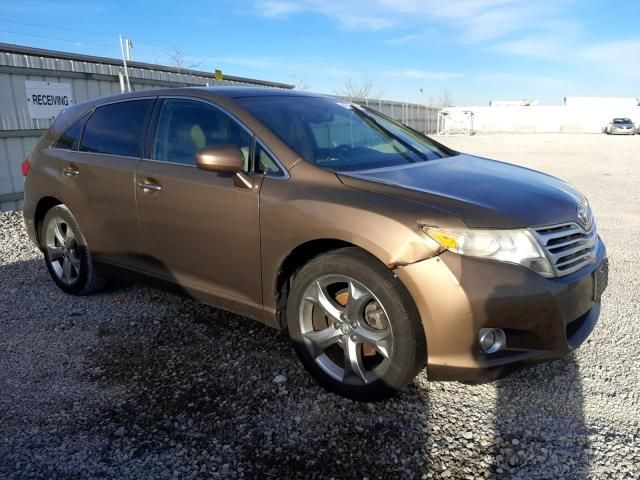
(149, 186)
(70, 171)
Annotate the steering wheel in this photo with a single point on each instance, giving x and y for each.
(341, 150)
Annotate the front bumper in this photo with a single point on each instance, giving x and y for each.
(543, 318)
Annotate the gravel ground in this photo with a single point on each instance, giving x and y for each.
(138, 383)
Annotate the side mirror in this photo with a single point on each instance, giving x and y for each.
(220, 158)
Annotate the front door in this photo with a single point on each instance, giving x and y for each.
(198, 228)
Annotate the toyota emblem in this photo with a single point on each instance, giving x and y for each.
(584, 217)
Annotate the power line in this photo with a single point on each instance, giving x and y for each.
(148, 50)
(59, 28)
(57, 39)
(70, 29)
(151, 55)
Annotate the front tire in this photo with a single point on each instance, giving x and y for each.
(66, 253)
(354, 326)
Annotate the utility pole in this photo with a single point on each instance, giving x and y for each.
(128, 47)
(124, 61)
(123, 89)
(426, 111)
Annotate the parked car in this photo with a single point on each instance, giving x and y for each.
(377, 248)
(620, 126)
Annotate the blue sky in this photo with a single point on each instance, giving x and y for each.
(476, 50)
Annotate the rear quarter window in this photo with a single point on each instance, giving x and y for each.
(70, 139)
(117, 128)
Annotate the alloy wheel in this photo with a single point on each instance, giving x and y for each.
(62, 251)
(346, 330)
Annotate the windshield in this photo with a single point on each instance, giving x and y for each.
(621, 120)
(340, 136)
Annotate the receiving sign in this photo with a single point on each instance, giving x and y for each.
(47, 99)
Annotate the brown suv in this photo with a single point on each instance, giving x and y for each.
(378, 249)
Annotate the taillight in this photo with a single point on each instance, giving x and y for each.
(25, 167)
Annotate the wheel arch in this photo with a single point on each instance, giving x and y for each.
(300, 256)
(294, 261)
(44, 205)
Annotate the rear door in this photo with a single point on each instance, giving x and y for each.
(99, 178)
(199, 228)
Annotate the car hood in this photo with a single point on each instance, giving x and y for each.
(482, 192)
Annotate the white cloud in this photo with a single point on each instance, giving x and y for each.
(622, 51)
(621, 57)
(421, 74)
(548, 30)
(404, 39)
(275, 8)
(557, 39)
(349, 14)
(542, 46)
(467, 20)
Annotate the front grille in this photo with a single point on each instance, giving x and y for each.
(568, 246)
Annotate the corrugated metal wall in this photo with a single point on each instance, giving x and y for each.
(95, 77)
(90, 78)
(13, 151)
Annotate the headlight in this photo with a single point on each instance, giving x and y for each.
(511, 246)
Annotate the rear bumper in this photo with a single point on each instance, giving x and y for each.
(29, 213)
(544, 319)
(626, 131)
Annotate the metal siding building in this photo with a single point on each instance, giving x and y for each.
(90, 77)
(93, 77)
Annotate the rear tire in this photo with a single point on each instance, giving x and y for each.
(66, 253)
(354, 326)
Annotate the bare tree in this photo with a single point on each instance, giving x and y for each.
(363, 88)
(445, 100)
(178, 59)
(300, 83)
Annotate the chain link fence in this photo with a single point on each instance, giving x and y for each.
(92, 77)
(422, 118)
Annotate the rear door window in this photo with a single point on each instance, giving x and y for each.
(117, 128)
(187, 126)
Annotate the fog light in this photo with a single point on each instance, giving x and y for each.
(491, 340)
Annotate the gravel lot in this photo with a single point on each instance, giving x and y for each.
(138, 383)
